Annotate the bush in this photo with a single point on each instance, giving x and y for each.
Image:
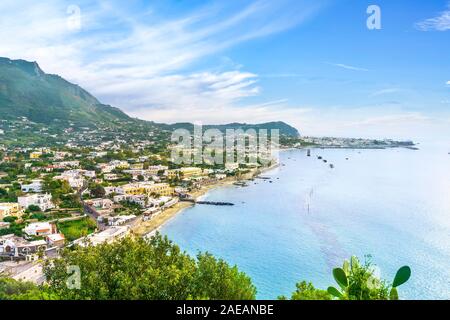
(138, 269)
(306, 291)
(34, 208)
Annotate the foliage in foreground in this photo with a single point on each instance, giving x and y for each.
(132, 269)
(357, 282)
(139, 269)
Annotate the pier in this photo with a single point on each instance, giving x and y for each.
(211, 203)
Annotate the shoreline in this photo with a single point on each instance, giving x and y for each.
(146, 228)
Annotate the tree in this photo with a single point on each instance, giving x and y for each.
(34, 208)
(306, 291)
(97, 191)
(139, 269)
(11, 289)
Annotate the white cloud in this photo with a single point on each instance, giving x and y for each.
(385, 92)
(348, 67)
(448, 83)
(438, 23)
(141, 62)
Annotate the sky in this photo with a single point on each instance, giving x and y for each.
(313, 64)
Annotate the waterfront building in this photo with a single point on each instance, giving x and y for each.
(148, 188)
(185, 172)
(106, 236)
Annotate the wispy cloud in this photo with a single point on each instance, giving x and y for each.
(348, 67)
(385, 92)
(144, 63)
(438, 23)
(448, 83)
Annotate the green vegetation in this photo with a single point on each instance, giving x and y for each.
(157, 269)
(306, 291)
(136, 269)
(357, 282)
(76, 229)
(97, 191)
(48, 97)
(11, 289)
(14, 227)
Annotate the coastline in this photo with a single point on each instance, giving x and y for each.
(146, 228)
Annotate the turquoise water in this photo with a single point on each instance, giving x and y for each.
(392, 204)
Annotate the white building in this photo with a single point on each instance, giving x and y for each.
(140, 199)
(106, 236)
(34, 186)
(120, 220)
(100, 203)
(12, 245)
(40, 229)
(55, 240)
(43, 201)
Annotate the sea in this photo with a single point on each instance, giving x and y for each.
(387, 206)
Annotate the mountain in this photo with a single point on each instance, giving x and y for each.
(27, 91)
(283, 128)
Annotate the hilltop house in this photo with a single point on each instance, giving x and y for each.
(11, 245)
(34, 186)
(55, 240)
(40, 229)
(43, 201)
(100, 203)
(8, 209)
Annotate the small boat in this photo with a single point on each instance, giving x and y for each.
(325, 160)
(308, 153)
(331, 165)
(319, 157)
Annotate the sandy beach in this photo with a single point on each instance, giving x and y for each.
(144, 227)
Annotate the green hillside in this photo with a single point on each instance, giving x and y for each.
(46, 99)
(26, 91)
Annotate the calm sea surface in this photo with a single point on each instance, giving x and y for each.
(392, 204)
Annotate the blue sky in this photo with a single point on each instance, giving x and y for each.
(313, 64)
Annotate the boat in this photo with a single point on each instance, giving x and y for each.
(331, 165)
(308, 153)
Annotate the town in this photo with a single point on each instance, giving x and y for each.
(58, 197)
(94, 185)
